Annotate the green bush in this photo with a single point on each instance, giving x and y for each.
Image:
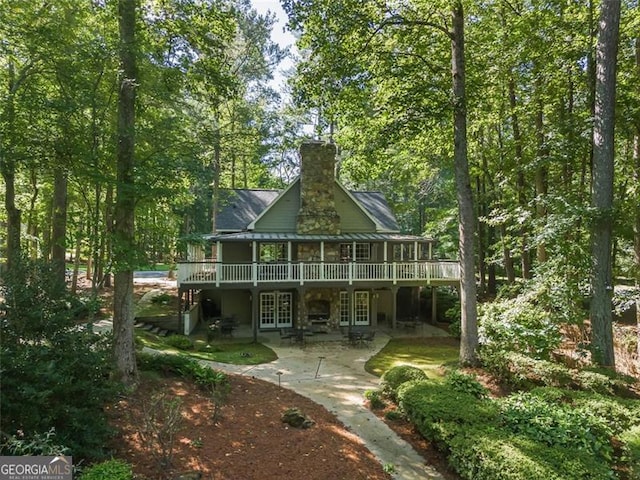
(462, 382)
(594, 382)
(55, 374)
(439, 412)
(560, 425)
(204, 376)
(519, 324)
(483, 453)
(37, 444)
(631, 441)
(375, 399)
(393, 415)
(396, 376)
(162, 299)
(111, 469)
(179, 341)
(522, 371)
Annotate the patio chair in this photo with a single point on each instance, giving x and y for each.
(368, 337)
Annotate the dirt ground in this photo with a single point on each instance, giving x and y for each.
(247, 441)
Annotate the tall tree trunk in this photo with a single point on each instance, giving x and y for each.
(602, 194)
(541, 173)
(8, 169)
(59, 222)
(636, 236)
(468, 301)
(123, 309)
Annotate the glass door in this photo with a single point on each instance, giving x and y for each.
(361, 308)
(275, 310)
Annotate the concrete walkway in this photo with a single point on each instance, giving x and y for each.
(332, 375)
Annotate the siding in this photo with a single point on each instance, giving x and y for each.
(282, 215)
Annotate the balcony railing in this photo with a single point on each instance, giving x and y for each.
(303, 272)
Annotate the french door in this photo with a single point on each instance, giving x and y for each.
(275, 309)
(360, 312)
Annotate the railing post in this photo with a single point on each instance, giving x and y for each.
(394, 275)
(301, 273)
(350, 273)
(217, 272)
(428, 265)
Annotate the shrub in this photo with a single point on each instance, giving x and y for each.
(179, 341)
(375, 399)
(396, 376)
(162, 299)
(111, 469)
(161, 422)
(439, 412)
(462, 382)
(518, 324)
(393, 415)
(38, 444)
(558, 425)
(54, 373)
(495, 454)
(526, 372)
(204, 376)
(594, 382)
(631, 440)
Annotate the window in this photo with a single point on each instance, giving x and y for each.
(403, 252)
(363, 252)
(273, 252)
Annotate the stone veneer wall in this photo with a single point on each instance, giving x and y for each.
(317, 183)
(331, 295)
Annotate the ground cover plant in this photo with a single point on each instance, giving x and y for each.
(558, 423)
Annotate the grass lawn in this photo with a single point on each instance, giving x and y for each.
(234, 351)
(428, 354)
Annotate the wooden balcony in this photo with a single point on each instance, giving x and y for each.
(212, 274)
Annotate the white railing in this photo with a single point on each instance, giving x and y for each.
(302, 272)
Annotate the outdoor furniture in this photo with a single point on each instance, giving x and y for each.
(368, 337)
(355, 336)
(287, 334)
(224, 326)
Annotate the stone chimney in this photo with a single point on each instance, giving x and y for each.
(317, 183)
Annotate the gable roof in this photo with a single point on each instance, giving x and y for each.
(240, 208)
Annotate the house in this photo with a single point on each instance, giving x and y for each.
(314, 255)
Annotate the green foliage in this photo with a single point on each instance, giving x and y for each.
(465, 383)
(522, 371)
(375, 399)
(521, 325)
(113, 469)
(494, 454)
(393, 415)
(179, 341)
(204, 376)
(631, 441)
(594, 382)
(55, 374)
(163, 299)
(36, 444)
(440, 412)
(559, 425)
(396, 376)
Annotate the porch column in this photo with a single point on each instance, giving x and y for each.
(322, 251)
(434, 305)
(255, 313)
(302, 308)
(218, 251)
(385, 254)
(394, 307)
(374, 308)
(350, 296)
(180, 313)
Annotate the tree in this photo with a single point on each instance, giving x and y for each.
(375, 69)
(123, 311)
(466, 212)
(602, 188)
